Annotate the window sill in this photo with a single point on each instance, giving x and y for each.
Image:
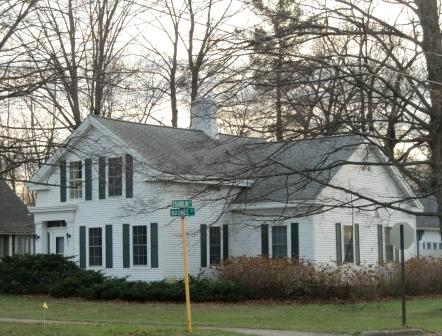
(115, 197)
(75, 200)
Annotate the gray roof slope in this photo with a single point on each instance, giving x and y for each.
(180, 151)
(13, 213)
(278, 168)
(297, 170)
(430, 205)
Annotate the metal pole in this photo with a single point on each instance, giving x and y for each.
(404, 316)
(186, 276)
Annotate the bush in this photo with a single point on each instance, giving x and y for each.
(79, 284)
(34, 274)
(285, 279)
(60, 277)
(237, 279)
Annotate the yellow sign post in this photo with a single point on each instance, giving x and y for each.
(186, 276)
(183, 208)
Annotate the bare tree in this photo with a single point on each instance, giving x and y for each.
(200, 57)
(84, 44)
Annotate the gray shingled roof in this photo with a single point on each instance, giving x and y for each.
(272, 165)
(13, 213)
(289, 170)
(430, 205)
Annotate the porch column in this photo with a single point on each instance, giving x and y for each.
(41, 242)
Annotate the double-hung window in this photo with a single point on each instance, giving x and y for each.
(139, 245)
(95, 247)
(389, 248)
(348, 244)
(75, 180)
(115, 176)
(279, 241)
(215, 245)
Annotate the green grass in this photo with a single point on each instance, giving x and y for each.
(422, 313)
(16, 329)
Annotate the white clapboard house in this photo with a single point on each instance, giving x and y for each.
(104, 198)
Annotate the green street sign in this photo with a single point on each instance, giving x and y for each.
(182, 204)
(179, 212)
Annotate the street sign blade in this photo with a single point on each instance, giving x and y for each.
(182, 203)
(182, 212)
(189, 212)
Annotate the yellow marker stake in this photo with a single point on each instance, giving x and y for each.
(186, 276)
(45, 306)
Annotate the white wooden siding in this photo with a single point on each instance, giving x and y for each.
(245, 234)
(373, 181)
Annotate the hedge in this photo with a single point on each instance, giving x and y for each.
(60, 277)
(237, 279)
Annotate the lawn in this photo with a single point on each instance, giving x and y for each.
(16, 329)
(422, 313)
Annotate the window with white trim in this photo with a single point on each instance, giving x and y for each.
(115, 176)
(139, 245)
(215, 245)
(279, 241)
(75, 180)
(391, 253)
(348, 244)
(95, 247)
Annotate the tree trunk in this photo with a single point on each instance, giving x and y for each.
(278, 81)
(432, 48)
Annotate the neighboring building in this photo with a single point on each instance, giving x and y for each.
(428, 231)
(105, 198)
(16, 224)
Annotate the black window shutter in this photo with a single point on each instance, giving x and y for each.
(265, 240)
(225, 242)
(129, 176)
(88, 178)
(357, 246)
(13, 245)
(295, 240)
(82, 247)
(380, 244)
(203, 244)
(101, 177)
(126, 246)
(338, 244)
(62, 181)
(154, 245)
(109, 247)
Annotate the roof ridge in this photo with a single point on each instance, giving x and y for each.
(144, 124)
(266, 140)
(321, 137)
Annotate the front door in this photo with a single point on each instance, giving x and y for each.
(59, 245)
(57, 240)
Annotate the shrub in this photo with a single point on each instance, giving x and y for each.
(285, 279)
(235, 280)
(60, 277)
(34, 274)
(82, 283)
